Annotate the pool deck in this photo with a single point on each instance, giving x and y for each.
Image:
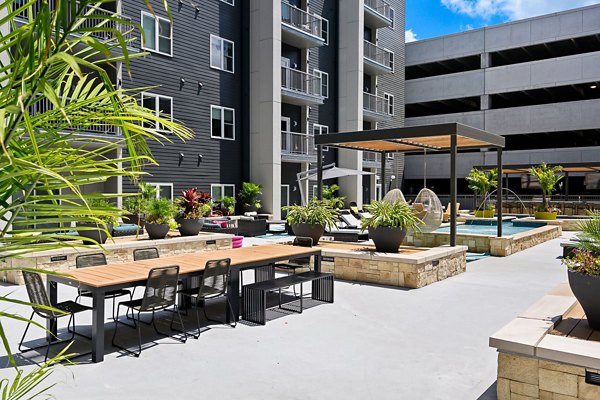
(374, 342)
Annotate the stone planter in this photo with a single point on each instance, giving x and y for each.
(98, 235)
(550, 216)
(387, 240)
(157, 231)
(485, 213)
(586, 289)
(309, 230)
(190, 227)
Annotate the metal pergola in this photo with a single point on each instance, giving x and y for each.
(451, 137)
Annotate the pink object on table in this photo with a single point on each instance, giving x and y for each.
(237, 241)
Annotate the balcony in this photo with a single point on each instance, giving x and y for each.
(378, 14)
(44, 105)
(297, 146)
(375, 108)
(300, 88)
(302, 29)
(371, 160)
(378, 61)
(92, 20)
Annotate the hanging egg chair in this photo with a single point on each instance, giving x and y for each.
(429, 210)
(393, 196)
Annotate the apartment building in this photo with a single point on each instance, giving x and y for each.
(535, 81)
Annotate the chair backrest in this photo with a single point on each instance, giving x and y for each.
(37, 293)
(161, 288)
(353, 208)
(145, 254)
(302, 242)
(215, 278)
(90, 260)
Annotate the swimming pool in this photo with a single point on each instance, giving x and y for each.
(490, 227)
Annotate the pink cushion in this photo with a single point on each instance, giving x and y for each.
(224, 224)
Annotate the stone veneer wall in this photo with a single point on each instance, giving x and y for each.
(499, 247)
(115, 253)
(525, 378)
(372, 270)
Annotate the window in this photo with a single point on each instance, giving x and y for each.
(158, 34)
(221, 53)
(390, 99)
(325, 30)
(218, 191)
(222, 123)
(163, 190)
(324, 82)
(230, 2)
(162, 105)
(321, 130)
(392, 17)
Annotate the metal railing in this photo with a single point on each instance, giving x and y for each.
(302, 20)
(90, 21)
(300, 81)
(44, 105)
(297, 143)
(376, 104)
(381, 7)
(379, 54)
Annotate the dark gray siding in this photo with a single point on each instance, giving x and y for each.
(222, 159)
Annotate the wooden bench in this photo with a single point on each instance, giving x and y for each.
(255, 294)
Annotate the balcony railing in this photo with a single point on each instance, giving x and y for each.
(303, 20)
(376, 104)
(381, 7)
(300, 81)
(297, 143)
(379, 55)
(44, 105)
(93, 19)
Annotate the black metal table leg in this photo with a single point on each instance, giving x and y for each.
(317, 266)
(51, 288)
(234, 295)
(98, 325)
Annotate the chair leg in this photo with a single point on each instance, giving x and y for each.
(231, 311)
(198, 322)
(180, 322)
(138, 326)
(25, 333)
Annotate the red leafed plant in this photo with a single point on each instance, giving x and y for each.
(193, 204)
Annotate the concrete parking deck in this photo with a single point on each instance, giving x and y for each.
(373, 343)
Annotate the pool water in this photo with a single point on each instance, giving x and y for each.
(490, 227)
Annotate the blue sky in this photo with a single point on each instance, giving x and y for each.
(429, 18)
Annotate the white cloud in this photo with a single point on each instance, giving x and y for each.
(410, 36)
(512, 9)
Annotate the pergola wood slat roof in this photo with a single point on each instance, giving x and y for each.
(567, 167)
(413, 138)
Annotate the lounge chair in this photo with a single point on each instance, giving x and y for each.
(348, 230)
(446, 216)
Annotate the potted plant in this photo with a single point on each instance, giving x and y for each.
(548, 177)
(481, 182)
(192, 207)
(99, 230)
(228, 205)
(135, 205)
(310, 220)
(159, 218)
(248, 196)
(329, 194)
(388, 224)
(584, 269)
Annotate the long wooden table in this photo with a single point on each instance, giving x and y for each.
(99, 280)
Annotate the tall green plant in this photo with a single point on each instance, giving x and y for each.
(391, 215)
(548, 177)
(249, 194)
(315, 212)
(481, 182)
(330, 194)
(55, 85)
(589, 238)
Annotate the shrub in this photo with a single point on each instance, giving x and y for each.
(316, 212)
(391, 215)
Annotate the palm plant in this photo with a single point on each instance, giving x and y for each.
(54, 86)
(589, 238)
(315, 212)
(330, 194)
(391, 215)
(548, 177)
(481, 182)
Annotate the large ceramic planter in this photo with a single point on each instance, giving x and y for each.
(551, 216)
(309, 230)
(485, 213)
(157, 231)
(249, 208)
(586, 289)
(97, 235)
(387, 240)
(190, 227)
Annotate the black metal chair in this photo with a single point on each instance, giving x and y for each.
(213, 285)
(148, 253)
(38, 296)
(160, 294)
(96, 260)
(299, 263)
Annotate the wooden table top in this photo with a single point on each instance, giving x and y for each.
(135, 271)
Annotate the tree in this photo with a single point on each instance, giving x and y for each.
(548, 177)
(481, 182)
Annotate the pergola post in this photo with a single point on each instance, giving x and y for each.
(567, 185)
(320, 172)
(453, 199)
(383, 183)
(500, 191)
